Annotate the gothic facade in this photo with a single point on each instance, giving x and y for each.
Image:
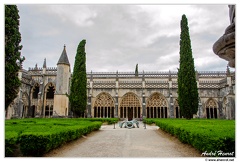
(120, 94)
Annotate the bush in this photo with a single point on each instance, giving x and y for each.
(204, 135)
(38, 136)
(11, 139)
(36, 143)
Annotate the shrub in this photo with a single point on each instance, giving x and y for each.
(204, 135)
(38, 136)
(11, 138)
(38, 142)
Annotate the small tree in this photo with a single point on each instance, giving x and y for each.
(187, 85)
(78, 94)
(136, 71)
(13, 58)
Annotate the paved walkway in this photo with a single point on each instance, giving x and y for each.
(123, 142)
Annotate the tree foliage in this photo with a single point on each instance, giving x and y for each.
(78, 94)
(187, 85)
(13, 58)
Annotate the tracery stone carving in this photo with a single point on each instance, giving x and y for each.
(130, 100)
(130, 106)
(211, 104)
(211, 109)
(103, 106)
(157, 100)
(104, 100)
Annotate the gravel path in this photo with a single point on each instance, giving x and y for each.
(123, 142)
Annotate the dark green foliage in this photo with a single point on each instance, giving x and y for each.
(36, 143)
(136, 71)
(78, 94)
(38, 136)
(11, 138)
(204, 135)
(103, 120)
(13, 60)
(187, 85)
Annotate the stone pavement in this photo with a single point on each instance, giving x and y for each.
(124, 142)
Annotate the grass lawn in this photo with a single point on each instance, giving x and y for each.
(214, 137)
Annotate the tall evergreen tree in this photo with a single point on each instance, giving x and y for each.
(78, 94)
(136, 71)
(13, 59)
(187, 85)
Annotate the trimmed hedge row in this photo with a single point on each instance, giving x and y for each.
(38, 143)
(103, 120)
(11, 139)
(38, 136)
(205, 135)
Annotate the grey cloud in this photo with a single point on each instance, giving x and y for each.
(119, 36)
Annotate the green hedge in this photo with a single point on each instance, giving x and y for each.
(38, 136)
(11, 139)
(103, 120)
(36, 143)
(205, 135)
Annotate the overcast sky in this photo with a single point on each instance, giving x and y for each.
(120, 36)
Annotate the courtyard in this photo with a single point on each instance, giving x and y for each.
(123, 142)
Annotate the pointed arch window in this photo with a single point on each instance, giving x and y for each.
(130, 106)
(157, 106)
(104, 106)
(211, 109)
(50, 91)
(35, 91)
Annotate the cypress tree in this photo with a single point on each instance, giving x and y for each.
(13, 58)
(78, 94)
(187, 85)
(136, 71)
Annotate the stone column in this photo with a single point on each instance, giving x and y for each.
(116, 106)
(171, 108)
(144, 115)
(89, 106)
(200, 111)
(143, 105)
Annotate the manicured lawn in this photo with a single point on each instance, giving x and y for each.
(38, 136)
(207, 135)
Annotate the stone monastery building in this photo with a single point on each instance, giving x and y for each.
(120, 94)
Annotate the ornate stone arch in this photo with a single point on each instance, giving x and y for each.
(104, 100)
(130, 106)
(49, 91)
(157, 106)
(157, 99)
(211, 108)
(103, 105)
(35, 91)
